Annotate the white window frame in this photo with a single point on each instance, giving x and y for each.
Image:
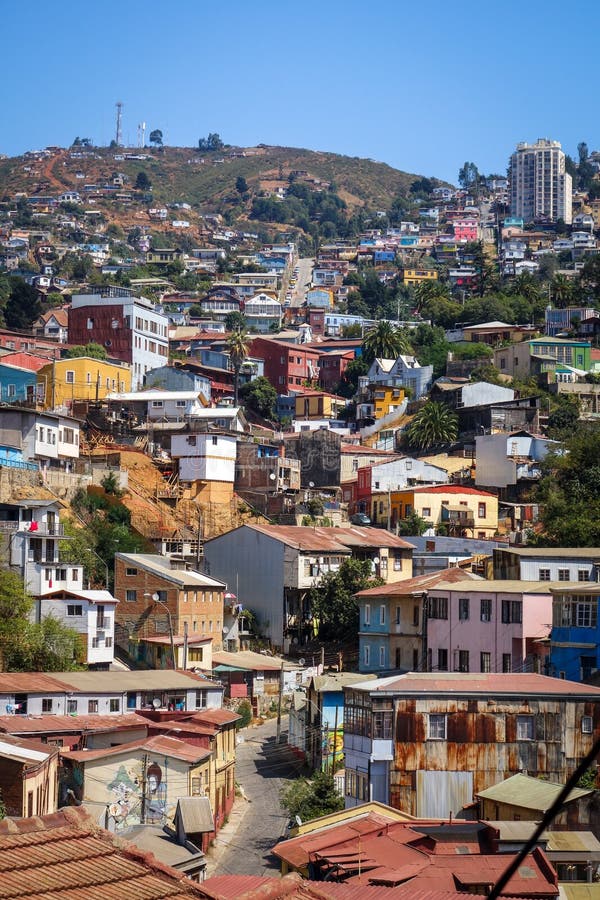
(367, 613)
(525, 728)
(437, 727)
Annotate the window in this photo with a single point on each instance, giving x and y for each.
(416, 616)
(485, 662)
(382, 615)
(367, 613)
(576, 611)
(442, 659)
(485, 613)
(70, 376)
(382, 725)
(131, 596)
(436, 730)
(367, 655)
(438, 607)
(583, 575)
(95, 643)
(564, 574)
(157, 404)
(463, 660)
(131, 571)
(92, 706)
(512, 611)
(525, 728)
(108, 641)
(195, 654)
(71, 707)
(12, 390)
(215, 440)
(382, 657)
(201, 696)
(74, 609)
(544, 575)
(426, 512)
(398, 614)
(463, 608)
(587, 725)
(507, 662)
(47, 704)
(397, 562)
(481, 510)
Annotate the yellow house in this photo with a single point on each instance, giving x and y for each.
(65, 381)
(453, 509)
(319, 405)
(385, 399)
(418, 276)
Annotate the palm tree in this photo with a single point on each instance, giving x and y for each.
(238, 345)
(383, 341)
(434, 424)
(561, 289)
(426, 291)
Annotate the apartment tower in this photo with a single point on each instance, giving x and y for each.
(539, 186)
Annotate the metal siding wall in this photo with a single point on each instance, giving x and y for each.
(442, 793)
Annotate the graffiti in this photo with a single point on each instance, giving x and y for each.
(125, 805)
(156, 794)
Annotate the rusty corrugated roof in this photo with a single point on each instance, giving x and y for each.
(420, 583)
(71, 724)
(305, 537)
(158, 743)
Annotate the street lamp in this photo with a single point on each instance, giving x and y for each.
(104, 563)
(157, 599)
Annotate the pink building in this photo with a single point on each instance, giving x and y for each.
(489, 626)
(466, 230)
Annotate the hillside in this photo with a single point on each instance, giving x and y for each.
(206, 179)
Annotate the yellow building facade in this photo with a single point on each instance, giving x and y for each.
(455, 510)
(65, 381)
(418, 276)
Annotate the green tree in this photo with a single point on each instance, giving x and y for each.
(238, 345)
(564, 418)
(348, 384)
(23, 305)
(333, 601)
(434, 425)
(142, 182)
(309, 799)
(94, 351)
(235, 321)
(468, 176)
(241, 185)
(383, 341)
(260, 395)
(156, 137)
(561, 290)
(413, 525)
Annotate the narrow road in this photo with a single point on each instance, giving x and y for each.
(262, 768)
(305, 267)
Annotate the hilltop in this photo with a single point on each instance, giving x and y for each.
(207, 180)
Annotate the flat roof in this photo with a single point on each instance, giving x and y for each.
(156, 564)
(529, 793)
(556, 552)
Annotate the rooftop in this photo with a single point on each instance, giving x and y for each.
(467, 683)
(556, 552)
(421, 583)
(160, 744)
(101, 682)
(67, 855)
(69, 724)
(159, 565)
(28, 752)
(340, 540)
(529, 793)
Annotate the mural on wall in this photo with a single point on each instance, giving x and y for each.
(156, 794)
(125, 807)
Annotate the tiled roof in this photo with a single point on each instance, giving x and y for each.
(159, 743)
(67, 856)
(293, 887)
(493, 684)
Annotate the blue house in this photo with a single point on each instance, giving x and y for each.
(575, 636)
(325, 718)
(175, 378)
(381, 256)
(17, 385)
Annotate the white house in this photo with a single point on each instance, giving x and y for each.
(91, 614)
(262, 312)
(406, 371)
(158, 404)
(205, 457)
(504, 459)
(399, 473)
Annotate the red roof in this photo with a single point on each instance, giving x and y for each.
(67, 855)
(25, 360)
(340, 540)
(70, 724)
(159, 743)
(494, 683)
(449, 489)
(293, 887)
(181, 728)
(419, 584)
(215, 716)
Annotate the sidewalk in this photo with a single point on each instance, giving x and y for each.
(226, 835)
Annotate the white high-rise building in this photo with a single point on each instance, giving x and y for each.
(540, 187)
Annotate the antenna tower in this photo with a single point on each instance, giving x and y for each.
(119, 134)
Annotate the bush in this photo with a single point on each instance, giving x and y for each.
(245, 711)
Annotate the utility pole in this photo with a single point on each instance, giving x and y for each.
(322, 659)
(185, 645)
(335, 728)
(279, 699)
(144, 782)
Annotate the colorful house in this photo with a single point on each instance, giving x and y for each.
(418, 276)
(575, 640)
(455, 509)
(66, 381)
(17, 385)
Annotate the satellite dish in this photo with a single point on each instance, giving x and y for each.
(301, 661)
(156, 703)
(311, 484)
(298, 820)
(272, 476)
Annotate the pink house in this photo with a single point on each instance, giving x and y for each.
(466, 230)
(489, 626)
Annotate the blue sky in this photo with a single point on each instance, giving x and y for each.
(421, 86)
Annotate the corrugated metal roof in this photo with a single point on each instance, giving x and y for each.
(421, 583)
(566, 552)
(195, 815)
(71, 724)
(335, 681)
(495, 683)
(66, 855)
(159, 743)
(215, 716)
(529, 793)
(304, 537)
(159, 565)
(143, 680)
(28, 752)
(248, 659)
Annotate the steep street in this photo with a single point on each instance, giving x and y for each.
(262, 769)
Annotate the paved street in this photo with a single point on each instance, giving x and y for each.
(305, 267)
(262, 769)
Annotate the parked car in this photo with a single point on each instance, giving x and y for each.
(360, 519)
